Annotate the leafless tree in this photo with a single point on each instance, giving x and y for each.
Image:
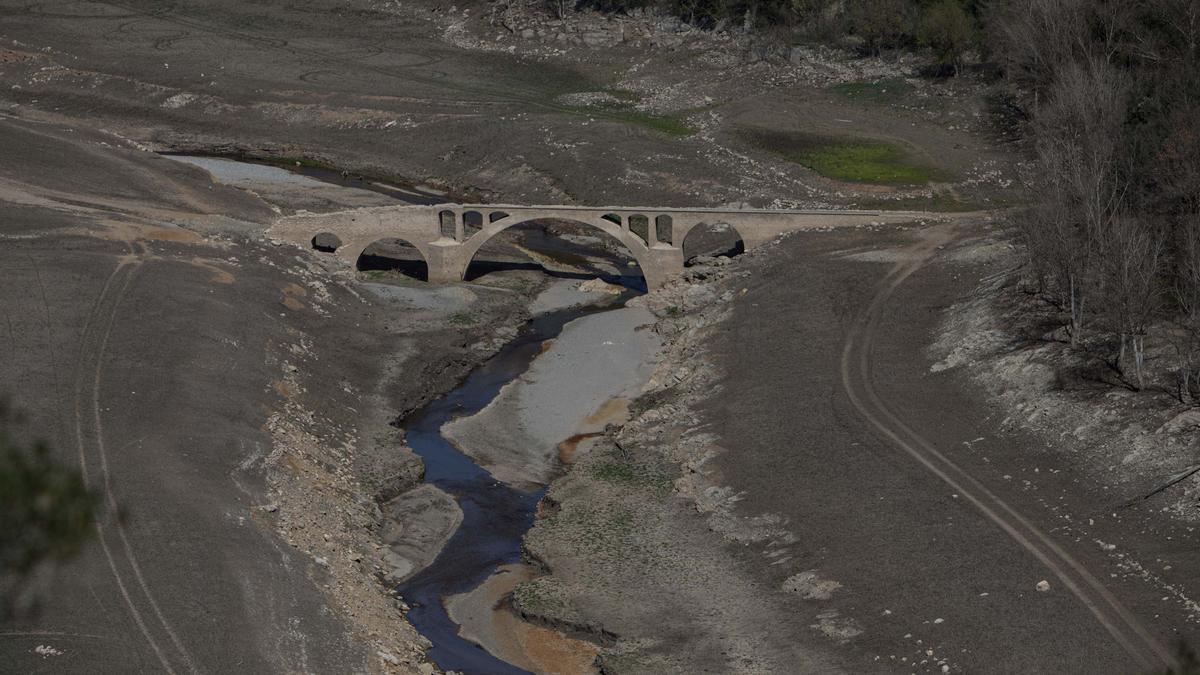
(1132, 259)
(1078, 133)
(1031, 39)
(1186, 292)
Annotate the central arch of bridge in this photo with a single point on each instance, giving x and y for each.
(449, 235)
(499, 221)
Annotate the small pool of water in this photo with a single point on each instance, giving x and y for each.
(247, 172)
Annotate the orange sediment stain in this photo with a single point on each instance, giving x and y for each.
(567, 449)
(289, 296)
(535, 648)
(612, 411)
(219, 276)
(284, 389)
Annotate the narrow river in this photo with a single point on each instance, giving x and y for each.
(495, 516)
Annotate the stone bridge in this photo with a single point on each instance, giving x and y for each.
(449, 235)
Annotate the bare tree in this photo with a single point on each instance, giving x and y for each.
(1132, 259)
(1031, 39)
(1078, 131)
(1186, 291)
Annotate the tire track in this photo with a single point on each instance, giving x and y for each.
(109, 301)
(858, 382)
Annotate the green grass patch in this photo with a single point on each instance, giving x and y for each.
(671, 125)
(880, 91)
(463, 320)
(850, 159)
(623, 110)
(632, 476)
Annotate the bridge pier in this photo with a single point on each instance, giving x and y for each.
(447, 262)
(661, 265)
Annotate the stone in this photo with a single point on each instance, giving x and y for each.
(1184, 421)
(416, 525)
(528, 33)
(600, 286)
(595, 38)
(811, 587)
(1043, 586)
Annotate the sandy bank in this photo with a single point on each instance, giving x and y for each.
(486, 619)
(597, 358)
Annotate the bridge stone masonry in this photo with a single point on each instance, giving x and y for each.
(449, 235)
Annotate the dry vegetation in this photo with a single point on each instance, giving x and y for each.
(1114, 241)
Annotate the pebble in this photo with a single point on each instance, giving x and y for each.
(1043, 586)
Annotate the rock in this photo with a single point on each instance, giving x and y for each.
(1043, 586)
(811, 587)
(600, 286)
(797, 56)
(1184, 421)
(595, 38)
(387, 474)
(416, 526)
(528, 34)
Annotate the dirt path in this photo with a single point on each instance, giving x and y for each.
(858, 374)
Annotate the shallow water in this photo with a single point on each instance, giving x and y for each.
(495, 516)
(242, 172)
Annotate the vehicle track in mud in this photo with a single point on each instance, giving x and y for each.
(89, 435)
(858, 369)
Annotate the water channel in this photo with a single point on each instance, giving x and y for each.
(495, 516)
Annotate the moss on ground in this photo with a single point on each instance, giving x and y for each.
(671, 125)
(887, 90)
(845, 158)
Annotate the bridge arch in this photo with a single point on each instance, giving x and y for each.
(717, 238)
(448, 224)
(639, 225)
(636, 247)
(664, 229)
(472, 223)
(391, 252)
(326, 242)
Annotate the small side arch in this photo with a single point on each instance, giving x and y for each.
(496, 216)
(472, 223)
(447, 227)
(326, 242)
(664, 229)
(717, 239)
(394, 255)
(639, 225)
